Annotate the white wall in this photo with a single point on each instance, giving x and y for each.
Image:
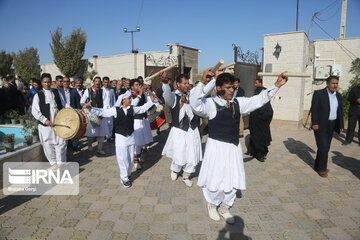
(133, 65)
(294, 49)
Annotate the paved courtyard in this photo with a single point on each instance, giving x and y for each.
(285, 199)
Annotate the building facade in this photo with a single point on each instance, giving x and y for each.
(133, 65)
(319, 58)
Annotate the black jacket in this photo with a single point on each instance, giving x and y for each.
(320, 110)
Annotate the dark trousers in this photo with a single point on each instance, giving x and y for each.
(354, 116)
(323, 138)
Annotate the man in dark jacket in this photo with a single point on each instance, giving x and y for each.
(326, 117)
(354, 114)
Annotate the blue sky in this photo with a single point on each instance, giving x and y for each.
(211, 26)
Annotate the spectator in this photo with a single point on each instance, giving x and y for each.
(20, 83)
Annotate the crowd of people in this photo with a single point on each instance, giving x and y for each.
(217, 100)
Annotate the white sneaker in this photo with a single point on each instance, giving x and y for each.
(54, 167)
(187, 182)
(173, 175)
(101, 152)
(213, 213)
(225, 213)
(137, 166)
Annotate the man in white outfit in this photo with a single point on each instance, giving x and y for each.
(222, 172)
(45, 106)
(95, 96)
(183, 144)
(109, 101)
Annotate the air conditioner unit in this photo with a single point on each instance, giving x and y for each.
(322, 72)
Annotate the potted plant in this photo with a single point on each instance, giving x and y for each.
(9, 142)
(35, 134)
(33, 127)
(7, 117)
(29, 118)
(21, 119)
(26, 132)
(12, 115)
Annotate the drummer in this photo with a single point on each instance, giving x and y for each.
(45, 106)
(124, 132)
(95, 96)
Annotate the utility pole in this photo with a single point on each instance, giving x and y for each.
(297, 15)
(343, 19)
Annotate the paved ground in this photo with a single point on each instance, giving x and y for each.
(285, 199)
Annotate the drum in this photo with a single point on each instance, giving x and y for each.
(70, 123)
(156, 117)
(92, 118)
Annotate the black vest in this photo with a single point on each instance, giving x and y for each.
(141, 103)
(225, 125)
(45, 108)
(184, 123)
(124, 124)
(96, 101)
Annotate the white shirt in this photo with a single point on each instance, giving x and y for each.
(67, 96)
(206, 106)
(106, 97)
(333, 104)
(121, 140)
(80, 92)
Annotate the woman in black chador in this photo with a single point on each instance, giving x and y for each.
(259, 125)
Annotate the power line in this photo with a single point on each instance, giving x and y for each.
(318, 13)
(345, 50)
(326, 19)
(328, 7)
(141, 8)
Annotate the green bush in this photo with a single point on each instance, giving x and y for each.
(11, 114)
(355, 69)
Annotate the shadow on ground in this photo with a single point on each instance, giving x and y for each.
(349, 163)
(301, 150)
(153, 155)
(235, 231)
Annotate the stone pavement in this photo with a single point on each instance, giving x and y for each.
(285, 199)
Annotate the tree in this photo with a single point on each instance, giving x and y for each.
(90, 75)
(355, 69)
(6, 61)
(68, 51)
(26, 63)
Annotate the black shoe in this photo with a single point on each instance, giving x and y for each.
(126, 184)
(346, 143)
(261, 158)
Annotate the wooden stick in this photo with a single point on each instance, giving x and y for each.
(227, 66)
(163, 70)
(61, 125)
(288, 74)
(216, 67)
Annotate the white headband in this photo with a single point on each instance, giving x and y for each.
(121, 97)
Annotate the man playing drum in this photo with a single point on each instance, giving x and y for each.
(45, 106)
